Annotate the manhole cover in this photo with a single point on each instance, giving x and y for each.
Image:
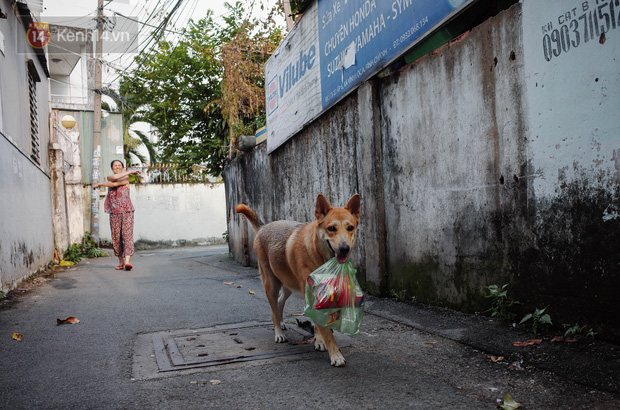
(224, 344)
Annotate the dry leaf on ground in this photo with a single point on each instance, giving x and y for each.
(251, 292)
(527, 343)
(70, 320)
(229, 283)
(17, 336)
(510, 403)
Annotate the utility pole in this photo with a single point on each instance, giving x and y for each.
(288, 14)
(94, 197)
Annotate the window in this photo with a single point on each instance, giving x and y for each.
(33, 79)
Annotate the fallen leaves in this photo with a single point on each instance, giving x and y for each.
(232, 283)
(509, 403)
(204, 382)
(527, 343)
(70, 320)
(556, 339)
(501, 360)
(251, 292)
(564, 339)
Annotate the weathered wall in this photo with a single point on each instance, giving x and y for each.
(450, 153)
(482, 163)
(26, 239)
(174, 214)
(284, 186)
(573, 146)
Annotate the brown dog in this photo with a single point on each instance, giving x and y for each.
(289, 251)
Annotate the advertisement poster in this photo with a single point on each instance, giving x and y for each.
(337, 45)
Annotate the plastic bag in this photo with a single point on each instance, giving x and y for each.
(333, 298)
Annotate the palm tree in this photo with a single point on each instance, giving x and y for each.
(132, 138)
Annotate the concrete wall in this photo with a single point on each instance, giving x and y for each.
(174, 214)
(447, 150)
(26, 238)
(482, 163)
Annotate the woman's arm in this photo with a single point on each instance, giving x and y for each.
(111, 184)
(124, 174)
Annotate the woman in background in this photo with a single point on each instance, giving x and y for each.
(118, 205)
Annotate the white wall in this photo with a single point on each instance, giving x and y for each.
(173, 214)
(572, 92)
(26, 236)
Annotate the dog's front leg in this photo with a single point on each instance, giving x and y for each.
(325, 340)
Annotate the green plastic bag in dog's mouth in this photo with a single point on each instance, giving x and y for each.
(333, 298)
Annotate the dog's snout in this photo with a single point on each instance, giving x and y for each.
(344, 249)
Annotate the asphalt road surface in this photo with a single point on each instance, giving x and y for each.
(189, 328)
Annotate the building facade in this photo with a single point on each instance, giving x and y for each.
(26, 232)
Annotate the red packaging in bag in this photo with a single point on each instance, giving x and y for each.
(336, 292)
(333, 298)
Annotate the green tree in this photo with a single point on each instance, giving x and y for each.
(243, 84)
(180, 88)
(174, 84)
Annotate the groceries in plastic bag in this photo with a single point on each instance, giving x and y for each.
(333, 298)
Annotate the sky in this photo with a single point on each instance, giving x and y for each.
(81, 14)
(189, 8)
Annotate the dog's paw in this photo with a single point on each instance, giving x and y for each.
(338, 360)
(280, 338)
(319, 346)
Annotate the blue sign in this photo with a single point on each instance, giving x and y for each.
(357, 38)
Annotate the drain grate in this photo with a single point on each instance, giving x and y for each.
(225, 344)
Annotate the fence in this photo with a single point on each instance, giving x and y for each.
(172, 173)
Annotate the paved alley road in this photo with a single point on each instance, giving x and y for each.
(139, 332)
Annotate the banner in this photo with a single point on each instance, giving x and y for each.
(337, 45)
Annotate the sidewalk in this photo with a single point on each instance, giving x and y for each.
(183, 330)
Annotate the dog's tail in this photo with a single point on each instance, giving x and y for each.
(251, 215)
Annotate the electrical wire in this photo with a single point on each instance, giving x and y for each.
(154, 38)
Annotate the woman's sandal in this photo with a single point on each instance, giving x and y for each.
(120, 267)
(128, 267)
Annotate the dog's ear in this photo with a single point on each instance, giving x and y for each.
(353, 206)
(322, 207)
